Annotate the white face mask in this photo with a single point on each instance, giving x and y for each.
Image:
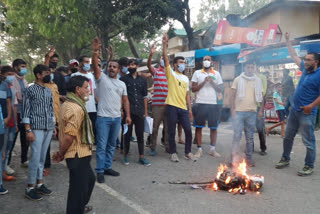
(207, 64)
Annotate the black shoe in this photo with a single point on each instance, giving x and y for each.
(263, 153)
(111, 172)
(43, 190)
(100, 177)
(33, 195)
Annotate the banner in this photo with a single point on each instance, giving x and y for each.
(225, 33)
(189, 57)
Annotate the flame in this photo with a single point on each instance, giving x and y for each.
(242, 168)
(215, 186)
(228, 180)
(221, 168)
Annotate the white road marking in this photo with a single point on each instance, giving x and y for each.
(120, 197)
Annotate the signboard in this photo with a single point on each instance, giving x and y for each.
(189, 57)
(226, 33)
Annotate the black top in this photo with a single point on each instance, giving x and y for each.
(59, 80)
(137, 91)
(288, 86)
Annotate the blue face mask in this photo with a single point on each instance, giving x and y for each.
(162, 63)
(9, 79)
(124, 70)
(51, 77)
(181, 67)
(86, 67)
(22, 71)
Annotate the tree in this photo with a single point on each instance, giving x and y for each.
(179, 10)
(212, 11)
(69, 25)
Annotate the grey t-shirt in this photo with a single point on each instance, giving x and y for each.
(110, 92)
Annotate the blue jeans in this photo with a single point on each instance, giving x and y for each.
(9, 138)
(243, 121)
(1, 146)
(107, 132)
(304, 122)
(38, 154)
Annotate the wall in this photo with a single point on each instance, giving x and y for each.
(299, 21)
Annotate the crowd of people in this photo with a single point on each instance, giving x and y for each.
(86, 105)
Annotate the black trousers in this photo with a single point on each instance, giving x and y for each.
(81, 183)
(23, 142)
(138, 123)
(261, 132)
(93, 118)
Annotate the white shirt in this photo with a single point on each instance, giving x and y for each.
(91, 104)
(207, 94)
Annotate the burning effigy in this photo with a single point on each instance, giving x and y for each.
(235, 180)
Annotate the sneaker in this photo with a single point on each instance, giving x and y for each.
(111, 172)
(174, 157)
(33, 195)
(43, 190)
(198, 153)
(133, 139)
(144, 162)
(153, 152)
(305, 171)
(263, 153)
(100, 178)
(213, 153)
(126, 160)
(189, 156)
(3, 191)
(282, 163)
(25, 164)
(9, 170)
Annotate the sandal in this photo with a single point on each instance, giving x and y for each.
(9, 178)
(181, 142)
(88, 209)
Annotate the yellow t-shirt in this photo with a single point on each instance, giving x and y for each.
(248, 102)
(178, 86)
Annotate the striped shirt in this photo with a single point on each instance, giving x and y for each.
(160, 85)
(37, 108)
(70, 122)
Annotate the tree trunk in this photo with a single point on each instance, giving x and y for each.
(132, 47)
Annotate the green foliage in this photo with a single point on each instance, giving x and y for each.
(214, 10)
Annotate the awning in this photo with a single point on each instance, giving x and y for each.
(309, 46)
(218, 50)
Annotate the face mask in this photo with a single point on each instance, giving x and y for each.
(9, 79)
(46, 79)
(86, 67)
(132, 70)
(53, 65)
(74, 70)
(206, 64)
(181, 67)
(162, 63)
(124, 70)
(51, 77)
(22, 71)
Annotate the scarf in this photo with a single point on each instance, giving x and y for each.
(257, 87)
(17, 88)
(87, 136)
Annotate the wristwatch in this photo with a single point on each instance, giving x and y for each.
(28, 130)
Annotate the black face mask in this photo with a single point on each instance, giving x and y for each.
(132, 70)
(74, 70)
(46, 79)
(53, 65)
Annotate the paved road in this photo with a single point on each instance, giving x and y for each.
(142, 189)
